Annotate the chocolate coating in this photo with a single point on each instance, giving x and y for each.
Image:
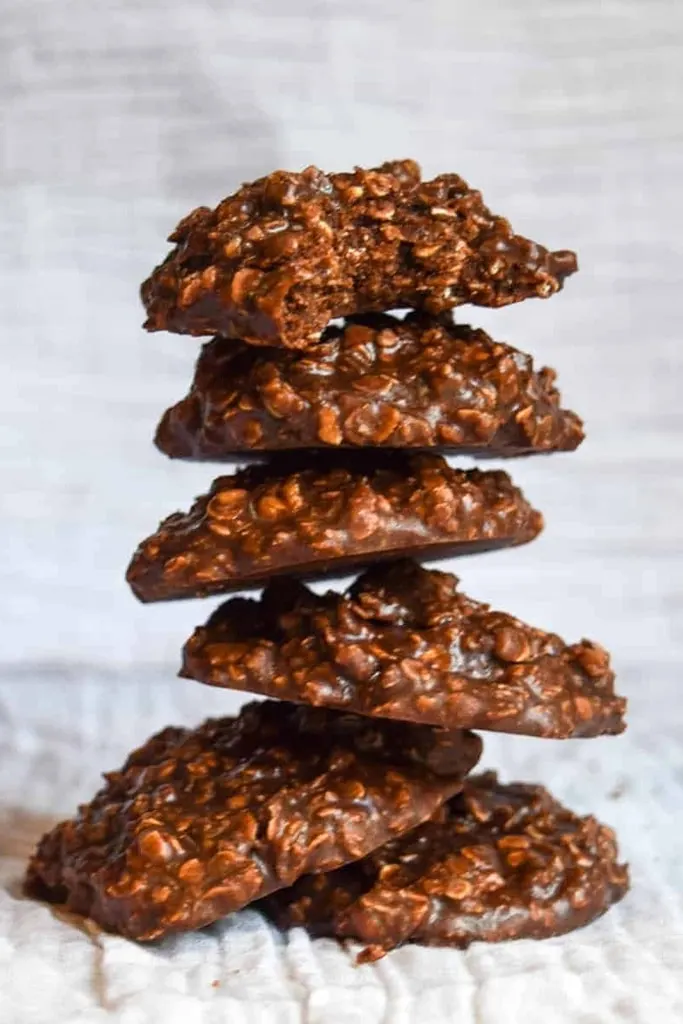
(275, 262)
(419, 382)
(402, 643)
(198, 823)
(307, 516)
(504, 862)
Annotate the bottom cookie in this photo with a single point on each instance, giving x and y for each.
(200, 822)
(497, 862)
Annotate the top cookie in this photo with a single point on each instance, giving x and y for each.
(275, 262)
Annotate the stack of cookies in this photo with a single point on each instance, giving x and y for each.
(344, 802)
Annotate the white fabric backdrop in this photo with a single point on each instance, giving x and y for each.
(117, 119)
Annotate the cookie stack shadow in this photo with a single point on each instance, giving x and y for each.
(344, 803)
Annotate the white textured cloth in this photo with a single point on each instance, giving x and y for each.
(118, 117)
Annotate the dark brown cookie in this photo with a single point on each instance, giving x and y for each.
(378, 381)
(504, 862)
(274, 263)
(307, 516)
(404, 644)
(198, 823)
